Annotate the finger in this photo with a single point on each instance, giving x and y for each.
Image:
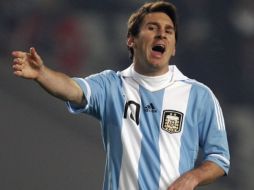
(34, 62)
(17, 67)
(35, 58)
(18, 61)
(17, 73)
(18, 54)
(33, 53)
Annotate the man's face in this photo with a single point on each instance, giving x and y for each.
(154, 45)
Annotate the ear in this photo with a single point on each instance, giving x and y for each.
(174, 52)
(130, 42)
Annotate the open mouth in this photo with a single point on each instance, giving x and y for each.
(159, 48)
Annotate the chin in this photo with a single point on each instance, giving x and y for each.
(158, 63)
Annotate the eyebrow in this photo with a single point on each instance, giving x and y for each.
(168, 26)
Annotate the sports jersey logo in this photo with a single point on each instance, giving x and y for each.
(150, 108)
(134, 111)
(172, 121)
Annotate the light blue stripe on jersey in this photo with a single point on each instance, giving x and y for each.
(202, 100)
(102, 84)
(149, 163)
(111, 123)
(112, 139)
(189, 139)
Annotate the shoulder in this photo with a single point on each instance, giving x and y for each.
(202, 96)
(199, 87)
(103, 77)
(103, 74)
(105, 80)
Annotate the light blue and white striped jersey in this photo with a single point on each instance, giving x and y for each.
(151, 137)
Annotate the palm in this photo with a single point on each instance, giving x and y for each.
(27, 65)
(30, 70)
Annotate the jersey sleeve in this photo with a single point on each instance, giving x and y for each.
(95, 90)
(212, 131)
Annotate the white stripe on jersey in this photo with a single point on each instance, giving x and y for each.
(221, 158)
(88, 94)
(219, 116)
(170, 143)
(131, 141)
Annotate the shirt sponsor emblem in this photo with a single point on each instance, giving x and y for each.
(172, 121)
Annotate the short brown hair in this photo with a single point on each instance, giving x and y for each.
(137, 17)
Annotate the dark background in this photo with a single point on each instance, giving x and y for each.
(43, 147)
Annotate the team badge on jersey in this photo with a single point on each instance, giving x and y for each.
(172, 121)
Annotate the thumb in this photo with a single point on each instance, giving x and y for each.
(34, 57)
(34, 54)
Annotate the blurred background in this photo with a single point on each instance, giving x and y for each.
(43, 147)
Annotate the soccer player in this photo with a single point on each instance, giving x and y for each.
(154, 119)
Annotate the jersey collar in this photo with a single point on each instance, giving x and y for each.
(177, 74)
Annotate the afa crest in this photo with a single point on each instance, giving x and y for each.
(172, 121)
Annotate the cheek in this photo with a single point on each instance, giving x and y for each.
(142, 47)
(171, 49)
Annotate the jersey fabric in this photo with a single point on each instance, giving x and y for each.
(152, 136)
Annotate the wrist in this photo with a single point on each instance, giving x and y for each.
(196, 177)
(40, 73)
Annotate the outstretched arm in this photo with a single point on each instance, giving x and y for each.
(204, 174)
(29, 65)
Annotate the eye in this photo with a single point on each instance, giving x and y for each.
(169, 31)
(151, 28)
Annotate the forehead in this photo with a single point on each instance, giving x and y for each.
(157, 17)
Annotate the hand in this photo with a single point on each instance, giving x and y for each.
(204, 174)
(27, 65)
(185, 182)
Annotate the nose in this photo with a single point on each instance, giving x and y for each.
(161, 34)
